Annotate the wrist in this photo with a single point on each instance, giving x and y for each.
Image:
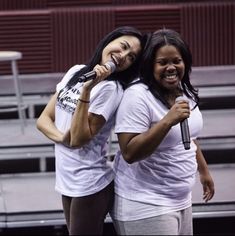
(83, 101)
(166, 122)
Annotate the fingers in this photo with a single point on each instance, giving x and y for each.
(208, 193)
(207, 196)
(178, 112)
(102, 71)
(183, 105)
(182, 109)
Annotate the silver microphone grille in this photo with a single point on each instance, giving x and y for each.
(110, 65)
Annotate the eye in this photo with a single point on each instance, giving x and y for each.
(161, 62)
(177, 60)
(132, 57)
(124, 46)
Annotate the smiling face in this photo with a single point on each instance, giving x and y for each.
(123, 51)
(169, 67)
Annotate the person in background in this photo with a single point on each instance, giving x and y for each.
(154, 172)
(79, 118)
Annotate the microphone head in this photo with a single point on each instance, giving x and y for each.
(181, 98)
(110, 65)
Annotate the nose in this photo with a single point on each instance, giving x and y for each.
(122, 57)
(124, 54)
(170, 67)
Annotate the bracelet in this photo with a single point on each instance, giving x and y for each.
(83, 101)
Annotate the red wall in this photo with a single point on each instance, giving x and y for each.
(52, 38)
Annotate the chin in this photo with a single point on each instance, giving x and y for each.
(171, 88)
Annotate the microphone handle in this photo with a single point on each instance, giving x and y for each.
(88, 76)
(110, 65)
(185, 134)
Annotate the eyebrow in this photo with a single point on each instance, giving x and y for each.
(163, 58)
(128, 45)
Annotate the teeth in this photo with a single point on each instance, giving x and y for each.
(170, 76)
(115, 60)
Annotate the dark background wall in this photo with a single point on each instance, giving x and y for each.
(54, 34)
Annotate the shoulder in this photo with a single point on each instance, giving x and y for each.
(136, 95)
(68, 75)
(108, 85)
(72, 71)
(137, 90)
(138, 86)
(75, 68)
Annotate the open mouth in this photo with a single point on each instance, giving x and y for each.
(115, 60)
(170, 77)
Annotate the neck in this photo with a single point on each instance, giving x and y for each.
(170, 95)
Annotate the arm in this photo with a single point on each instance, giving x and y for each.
(86, 125)
(45, 122)
(136, 147)
(205, 177)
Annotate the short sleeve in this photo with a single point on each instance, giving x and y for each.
(68, 76)
(105, 98)
(133, 113)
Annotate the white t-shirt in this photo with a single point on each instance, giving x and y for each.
(166, 177)
(84, 171)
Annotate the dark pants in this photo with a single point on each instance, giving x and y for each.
(86, 215)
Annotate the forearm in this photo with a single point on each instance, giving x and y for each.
(143, 145)
(202, 165)
(48, 128)
(80, 132)
(84, 124)
(205, 177)
(45, 122)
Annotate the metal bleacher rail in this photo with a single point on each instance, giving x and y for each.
(12, 57)
(216, 85)
(36, 90)
(214, 82)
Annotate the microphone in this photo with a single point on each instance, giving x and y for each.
(184, 128)
(110, 65)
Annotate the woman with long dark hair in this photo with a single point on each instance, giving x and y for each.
(79, 118)
(155, 172)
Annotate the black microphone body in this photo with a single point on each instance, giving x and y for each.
(92, 74)
(185, 134)
(184, 129)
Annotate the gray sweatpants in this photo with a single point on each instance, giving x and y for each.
(174, 223)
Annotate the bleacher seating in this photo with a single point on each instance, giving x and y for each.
(216, 86)
(218, 136)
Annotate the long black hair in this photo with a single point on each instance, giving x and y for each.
(124, 77)
(157, 40)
